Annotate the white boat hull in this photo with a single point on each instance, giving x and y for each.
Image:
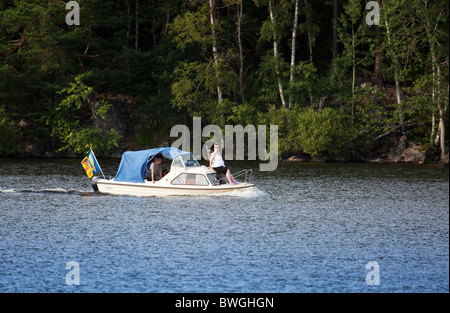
(148, 189)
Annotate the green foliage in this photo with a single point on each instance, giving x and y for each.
(192, 27)
(78, 93)
(193, 86)
(276, 116)
(196, 83)
(81, 140)
(243, 114)
(313, 132)
(305, 85)
(371, 117)
(158, 60)
(321, 132)
(356, 37)
(353, 10)
(77, 134)
(10, 139)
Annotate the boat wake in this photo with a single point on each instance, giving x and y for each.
(48, 191)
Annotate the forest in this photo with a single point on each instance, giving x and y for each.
(342, 79)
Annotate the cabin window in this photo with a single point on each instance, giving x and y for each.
(190, 179)
(213, 179)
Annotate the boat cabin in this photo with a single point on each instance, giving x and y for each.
(185, 170)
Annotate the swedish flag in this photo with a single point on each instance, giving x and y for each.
(90, 164)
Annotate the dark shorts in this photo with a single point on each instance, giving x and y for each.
(220, 169)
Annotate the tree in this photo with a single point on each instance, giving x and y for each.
(212, 12)
(71, 125)
(417, 45)
(390, 13)
(378, 71)
(239, 19)
(335, 28)
(356, 52)
(229, 61)
(197, 30)
(11, 136)
(294, 40)
(353, 11)
(434, 18)
(276, 55)
(36, 56)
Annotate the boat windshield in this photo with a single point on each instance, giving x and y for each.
(186, 160)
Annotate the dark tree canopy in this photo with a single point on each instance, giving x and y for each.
(133, 69)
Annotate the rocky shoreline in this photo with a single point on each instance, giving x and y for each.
(399, 150)
(359, 158)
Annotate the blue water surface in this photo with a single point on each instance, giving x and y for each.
(307, 228)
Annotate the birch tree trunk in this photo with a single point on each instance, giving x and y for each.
(310, 44)
(398, 90)
(240, 17)
(166, 28)
(435, 96)
(275, 55)
(436, 80)
(212, 6)
(441, 111)
(294, 39)
(433, 138)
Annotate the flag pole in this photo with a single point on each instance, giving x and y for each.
(98, 163)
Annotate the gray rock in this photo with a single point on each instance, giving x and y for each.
(294, 158)
(415, 153)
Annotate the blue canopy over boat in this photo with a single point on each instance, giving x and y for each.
(132, 166)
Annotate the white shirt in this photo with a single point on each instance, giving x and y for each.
(218, 161)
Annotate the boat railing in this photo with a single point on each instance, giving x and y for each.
(243, 175)
(246, 175)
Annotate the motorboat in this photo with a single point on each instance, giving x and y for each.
(185, 177)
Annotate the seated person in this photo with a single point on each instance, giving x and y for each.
(217, 164)
(155, 169)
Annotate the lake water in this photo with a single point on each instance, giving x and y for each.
(307, 228)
